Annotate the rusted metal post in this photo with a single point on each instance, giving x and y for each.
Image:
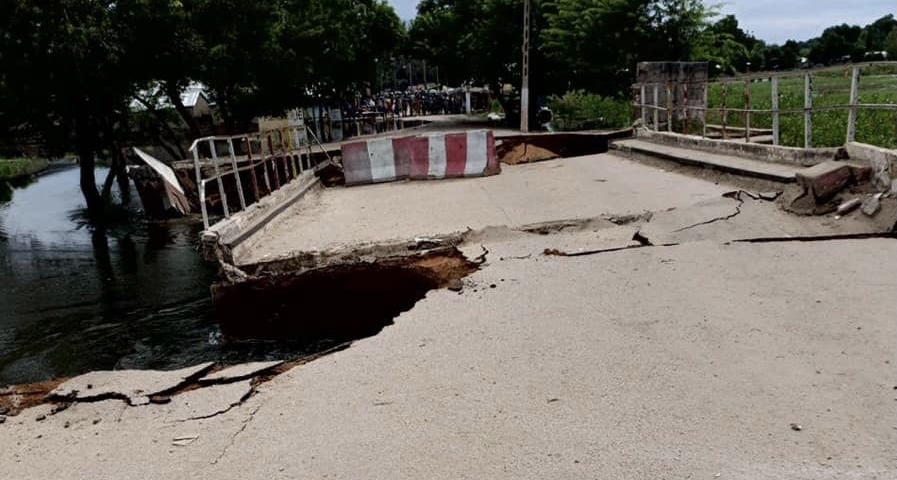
(808, 111)
(854, 100)
(776, 134)
(723, 115)
(669, 108)
(233, 163)
(747, 111)
(273, 157)
(255, 180)
(218, 178)
(656, 108)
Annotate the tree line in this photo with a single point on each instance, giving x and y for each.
(70, 70)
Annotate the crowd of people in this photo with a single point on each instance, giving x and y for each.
(408, 103)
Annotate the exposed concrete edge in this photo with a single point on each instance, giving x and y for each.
(805, 157)
(220, 241)
(882, 161)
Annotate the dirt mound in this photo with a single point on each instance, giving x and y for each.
(527, 153)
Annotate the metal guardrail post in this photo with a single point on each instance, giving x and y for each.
(273, 160)
(264, 162)
(685, 108)
(233, 162)
(854, 99)
(201, 186)
(808, 111)
(255, 181)
(725, 89)
(747, 111)
(218, 178)
(669, 108)
(656, 108)
(642, 100)
(704, 112)
(776, 133)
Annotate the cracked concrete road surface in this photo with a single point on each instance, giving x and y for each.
(706, 359)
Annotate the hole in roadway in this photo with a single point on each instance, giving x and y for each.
(340, 303)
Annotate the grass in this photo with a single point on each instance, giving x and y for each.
(579, 110)
(21, 167)
(875, 127)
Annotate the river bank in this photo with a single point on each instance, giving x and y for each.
(14, 168)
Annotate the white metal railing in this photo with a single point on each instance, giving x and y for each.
(279, 156)
(650, 102)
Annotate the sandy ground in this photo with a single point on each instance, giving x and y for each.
(702, 360)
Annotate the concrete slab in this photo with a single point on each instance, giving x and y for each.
(239, 372)
(573, 188)
(134, 386)
(203, 403)
(726, 163)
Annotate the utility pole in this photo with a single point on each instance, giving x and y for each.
(524, 88)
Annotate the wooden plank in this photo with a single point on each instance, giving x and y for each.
(776, 134)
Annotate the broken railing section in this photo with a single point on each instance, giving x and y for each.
(673, 97)
(259, 164)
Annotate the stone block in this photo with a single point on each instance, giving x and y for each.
(823, 181)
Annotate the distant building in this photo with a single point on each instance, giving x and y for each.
(194, 98)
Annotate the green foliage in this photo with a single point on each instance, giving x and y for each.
(21, 167)
(579, 110)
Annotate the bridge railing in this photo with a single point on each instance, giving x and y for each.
(250, 166)
(755, 107)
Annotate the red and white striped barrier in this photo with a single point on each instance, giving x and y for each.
(377, 160)
(456, 155)
(452, 155)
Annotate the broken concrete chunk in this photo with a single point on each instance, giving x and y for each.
(848, 206)
(871, 206)
(133, 386)
(824, 180)
(239, 372)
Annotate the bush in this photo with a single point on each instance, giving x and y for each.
(579, 110)
(21, 167)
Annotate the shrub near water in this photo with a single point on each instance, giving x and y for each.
(579, 110)
(20, 167)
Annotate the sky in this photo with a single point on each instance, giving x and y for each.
(774, 21)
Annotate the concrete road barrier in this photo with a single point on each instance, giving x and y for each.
(445, 155)
(456, 155)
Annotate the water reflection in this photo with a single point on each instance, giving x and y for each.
(75, 298)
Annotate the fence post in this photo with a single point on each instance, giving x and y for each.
(724, 113)
(273, 158)
(685, 108)
(200, 187)
(643, 101)
(775, 111)
(854, 100)
(255, 180)
(704, 112)
(218, 178)
(669, 108)
(656, 108)
(808, 111)
(747, 111)
(233, 162)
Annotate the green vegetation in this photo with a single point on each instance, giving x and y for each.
(21, 167)
(580, 110)
(876, 127)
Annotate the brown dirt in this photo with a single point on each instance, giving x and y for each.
(16, 398)
(527, 153)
